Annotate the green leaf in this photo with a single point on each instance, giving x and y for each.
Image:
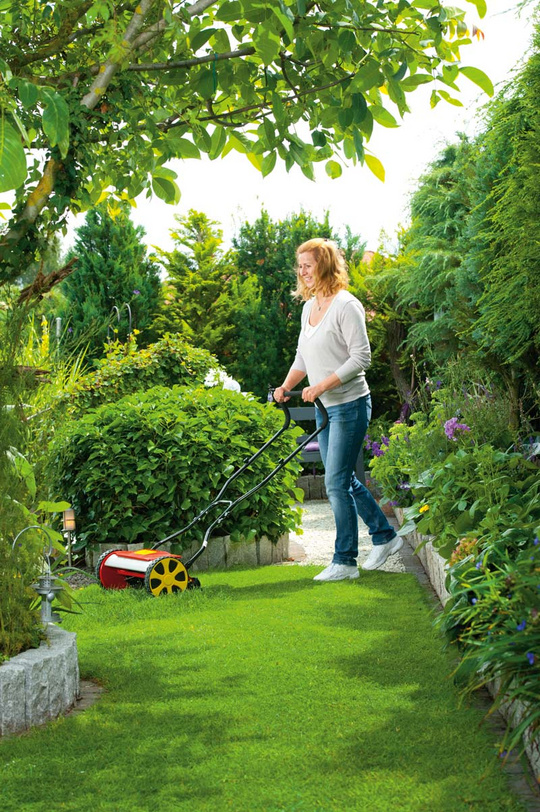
(268, 163)
(479, 78)
(333, 169)
(201, 37)
(218, 141)
(359, 105)
(412, 82)
(318, 138)
(268, 45)
(164, 185)
(481, 7)
(345, 117)
(375, 166)
(230, 12)
(28, 93)
(55, 119)
(12, 157)
(383, 116)
(285, 22)
(205, 83)
(53, 507)
(307, 170)
(450, 99)
(185, 148)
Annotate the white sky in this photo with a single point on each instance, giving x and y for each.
(231, 191)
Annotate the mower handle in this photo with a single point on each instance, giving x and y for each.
(297, 393)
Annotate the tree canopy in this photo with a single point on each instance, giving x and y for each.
(97, 96)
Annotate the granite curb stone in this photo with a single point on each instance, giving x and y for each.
(39, 684)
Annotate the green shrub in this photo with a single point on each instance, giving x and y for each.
(20, 626)
(469, 491)
(20, 561)
(493, 618)
(141, 468)
(171, 361)
(407, 451)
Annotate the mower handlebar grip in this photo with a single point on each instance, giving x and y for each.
(297, 393)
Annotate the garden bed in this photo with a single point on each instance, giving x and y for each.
(435, 566)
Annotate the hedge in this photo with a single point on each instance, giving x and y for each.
(141, 468)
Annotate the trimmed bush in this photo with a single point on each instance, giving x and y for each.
(142, 468)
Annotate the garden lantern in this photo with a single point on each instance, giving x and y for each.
(69, 528)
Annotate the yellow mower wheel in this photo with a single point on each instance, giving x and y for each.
(165, 575)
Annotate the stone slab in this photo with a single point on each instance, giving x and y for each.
(39, 684)
(12, 690)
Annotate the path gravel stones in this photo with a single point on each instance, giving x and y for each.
(316, 544)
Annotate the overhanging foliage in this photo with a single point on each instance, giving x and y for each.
(101, 95)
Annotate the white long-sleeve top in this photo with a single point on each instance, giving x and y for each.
(338, 344)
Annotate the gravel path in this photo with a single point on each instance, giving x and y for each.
(316, 544)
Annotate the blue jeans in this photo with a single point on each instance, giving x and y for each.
(340, 443)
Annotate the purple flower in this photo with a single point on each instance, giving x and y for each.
(393, 503)
(70, 329)
(478, 565)
(452, 425)
(536, 541)
(406, 486)
(474, 600)
(521, 625)
(385, 441)
(531, 657)
(367, 441)
(438, 384)
(376, 449)
(136, 292)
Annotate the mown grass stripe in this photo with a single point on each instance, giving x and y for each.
(264, 692)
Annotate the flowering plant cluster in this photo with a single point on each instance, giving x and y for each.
(493, 618)
(464, 485)
(453, 425)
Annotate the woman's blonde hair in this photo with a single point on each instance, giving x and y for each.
(330, 269)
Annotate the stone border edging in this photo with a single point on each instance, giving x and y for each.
(40, 684)
(435, 566)
(221, 553)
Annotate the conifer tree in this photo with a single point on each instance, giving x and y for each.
(198, 302)
(112, 270)
(267, 332)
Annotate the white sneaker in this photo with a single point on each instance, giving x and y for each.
(338, 572)
(380, 553)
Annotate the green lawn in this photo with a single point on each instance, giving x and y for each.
(264, 692)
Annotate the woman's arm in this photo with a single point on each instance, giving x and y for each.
(311, 393)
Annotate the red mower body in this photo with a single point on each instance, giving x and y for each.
(159, 572)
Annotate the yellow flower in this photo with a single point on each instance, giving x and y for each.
(423, 508)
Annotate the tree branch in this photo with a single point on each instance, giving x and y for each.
(108, 69)
(190, 63)
(43, 284)
(65, 30)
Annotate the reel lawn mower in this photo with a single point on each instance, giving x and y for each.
(161, 572)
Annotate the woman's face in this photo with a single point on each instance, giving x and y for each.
(307, 269)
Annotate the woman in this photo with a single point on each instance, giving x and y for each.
(333, 351)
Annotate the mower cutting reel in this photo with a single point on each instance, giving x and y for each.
(162, 573)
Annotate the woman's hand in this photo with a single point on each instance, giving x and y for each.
(279, 394)
(311, 393)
